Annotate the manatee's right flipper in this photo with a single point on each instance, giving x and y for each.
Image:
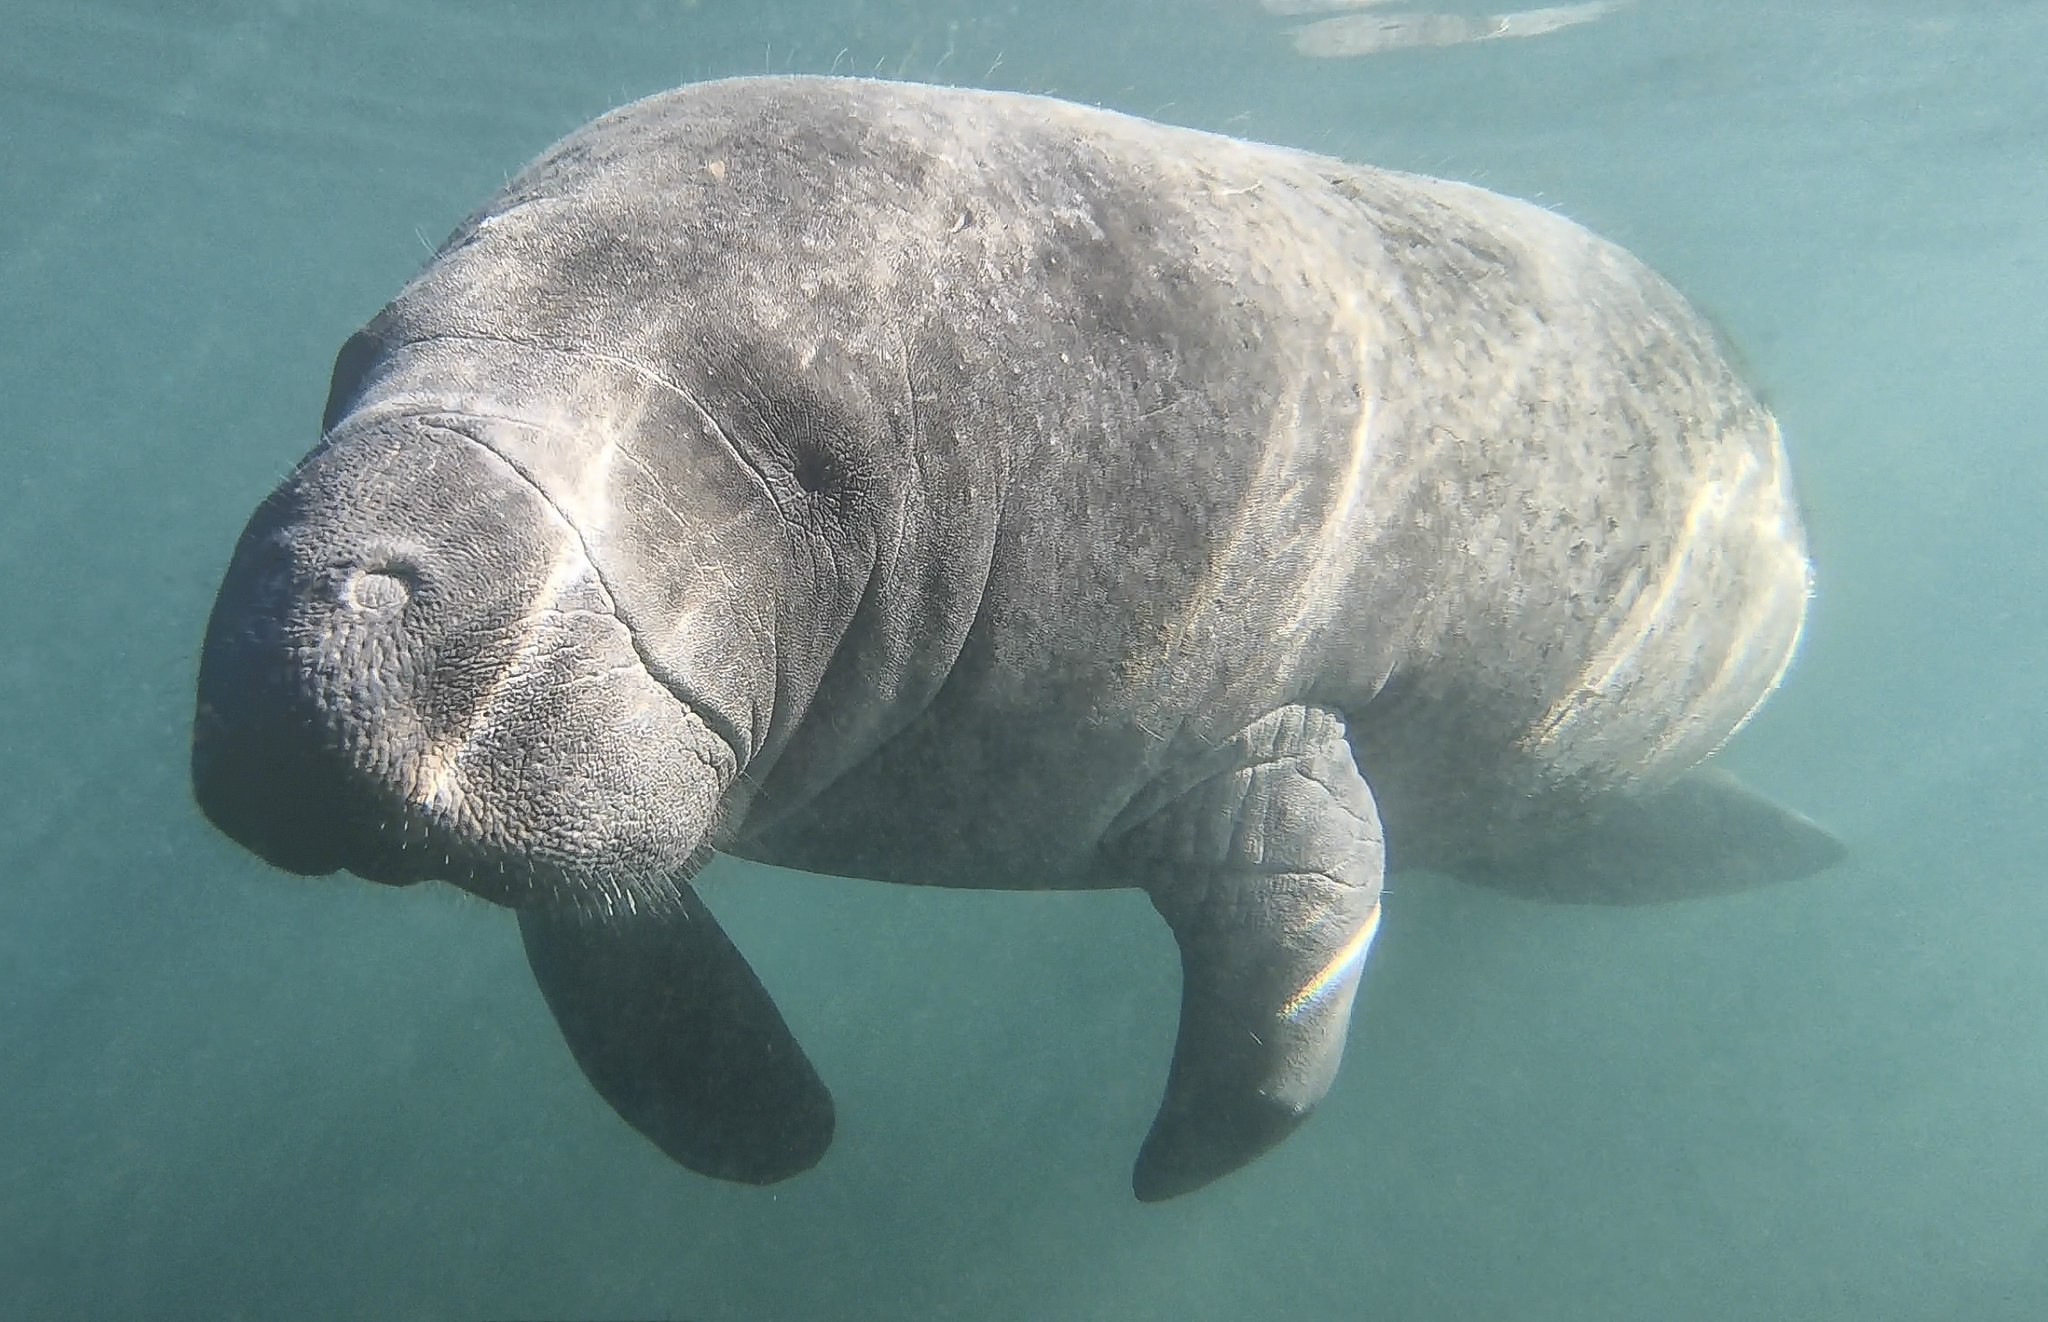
(1266, 860)
(674, 1030)
(1705, 834)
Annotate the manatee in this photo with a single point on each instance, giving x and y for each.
(971, 489)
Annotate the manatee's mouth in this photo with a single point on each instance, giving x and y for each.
(313, 810)
(409, 837)
(376, 832)
(479, 713)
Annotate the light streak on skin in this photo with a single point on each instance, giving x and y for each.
(438, 785)
(1337, 548)
(1776, 520)
(1646, 617)
(1342, 968)
(1750, 508)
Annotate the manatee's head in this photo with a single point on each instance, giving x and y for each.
(416, 668)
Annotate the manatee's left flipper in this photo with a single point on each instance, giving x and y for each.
(1266, 861)
(674, 1030)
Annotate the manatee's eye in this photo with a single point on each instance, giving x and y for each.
(814, 469)
(805, 447)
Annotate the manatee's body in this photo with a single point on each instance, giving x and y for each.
(972, 489)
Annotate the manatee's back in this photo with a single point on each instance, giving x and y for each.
(1438, 457)
(1598, 550)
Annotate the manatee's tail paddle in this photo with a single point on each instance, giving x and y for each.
(1705, 834)
(674, 1030)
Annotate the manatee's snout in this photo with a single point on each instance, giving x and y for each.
(414, 670)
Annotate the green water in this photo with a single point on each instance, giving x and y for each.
(227, 1093)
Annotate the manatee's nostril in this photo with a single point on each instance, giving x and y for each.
(381, 589)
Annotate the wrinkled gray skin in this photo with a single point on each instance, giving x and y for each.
(971, 489)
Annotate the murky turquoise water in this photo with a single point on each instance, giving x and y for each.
(227, 1093)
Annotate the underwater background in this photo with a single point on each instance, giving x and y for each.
(228, 1093)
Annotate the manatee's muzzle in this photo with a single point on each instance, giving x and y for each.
(413, 670)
